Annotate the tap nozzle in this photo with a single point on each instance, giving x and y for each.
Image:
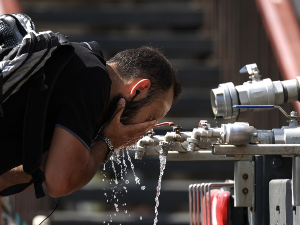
(139, 154)
(165, 147)
(191, 147)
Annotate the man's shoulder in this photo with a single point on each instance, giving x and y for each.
(90, 53)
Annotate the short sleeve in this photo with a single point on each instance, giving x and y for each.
(82, 103)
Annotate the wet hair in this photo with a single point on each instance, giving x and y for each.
(148, 63)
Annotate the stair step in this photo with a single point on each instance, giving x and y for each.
(176, 45)
(97, 218)
(198, 76)
(110, 17)
(191, 108)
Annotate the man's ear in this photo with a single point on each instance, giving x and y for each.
(142, 88)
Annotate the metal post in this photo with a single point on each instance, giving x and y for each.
(244, 184)
(296, 181)
(191, 203)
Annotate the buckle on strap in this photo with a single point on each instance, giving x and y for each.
(38, 178)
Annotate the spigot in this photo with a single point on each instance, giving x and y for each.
(165, 147)
(191, 147)
(139, 154)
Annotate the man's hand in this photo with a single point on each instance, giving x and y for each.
(125, 135)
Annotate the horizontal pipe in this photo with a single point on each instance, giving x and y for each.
(200, 156)
(257, 149)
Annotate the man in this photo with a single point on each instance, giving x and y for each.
(125, 97)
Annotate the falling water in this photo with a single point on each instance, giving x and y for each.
(114, 169)
(163, 161)
(137, 180)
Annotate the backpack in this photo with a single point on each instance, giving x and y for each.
(23, 54)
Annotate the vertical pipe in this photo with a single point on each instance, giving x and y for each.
(296, 181)
(198, 203)
(194, 204)
(191, 203)
(201, 204)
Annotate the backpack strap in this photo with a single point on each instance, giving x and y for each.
(34, 122)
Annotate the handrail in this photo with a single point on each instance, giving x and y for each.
(283, 31)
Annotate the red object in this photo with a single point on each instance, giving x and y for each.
(219, 204)
(202, 122)
(164, 124)
(283, 30)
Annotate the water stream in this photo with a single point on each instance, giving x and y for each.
(163, 160)
(137, 180)
(121, 186)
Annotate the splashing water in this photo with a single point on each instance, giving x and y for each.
(114, 169)
(124, 162)
(116, 206)
(163, 161)
(137, 180)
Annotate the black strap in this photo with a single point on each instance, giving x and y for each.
(34, 123)
(37, 180)
(35, 116)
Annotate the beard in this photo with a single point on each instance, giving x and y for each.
(131, 109)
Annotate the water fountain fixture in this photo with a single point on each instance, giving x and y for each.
(238, 141)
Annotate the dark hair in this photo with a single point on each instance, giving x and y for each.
(150, 63)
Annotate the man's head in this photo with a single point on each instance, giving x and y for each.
(150, 81)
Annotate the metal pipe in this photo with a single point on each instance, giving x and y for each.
(296, 181)
(199, 133)
(191, 203)
(257, 149)
(264, 92)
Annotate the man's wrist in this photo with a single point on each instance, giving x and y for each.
(109, 145)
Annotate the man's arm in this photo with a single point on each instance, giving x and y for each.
(70, 165)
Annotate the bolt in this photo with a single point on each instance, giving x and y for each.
(276, 163)
(278, 208)
(245, 176)
(293, 113)
(294, 208)
(245, 191)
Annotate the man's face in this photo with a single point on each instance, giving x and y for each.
(155, 110)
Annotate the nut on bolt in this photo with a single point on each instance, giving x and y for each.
(245, 191)
(245, 176)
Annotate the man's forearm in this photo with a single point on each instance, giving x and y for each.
(75, 175)
(98, 153)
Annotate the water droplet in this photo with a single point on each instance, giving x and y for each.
(126, 181)
(125, 211)
(143, 188)
(141, 218)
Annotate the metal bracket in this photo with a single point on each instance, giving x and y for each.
(244, 184)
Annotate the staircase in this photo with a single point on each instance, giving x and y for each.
(177, 28)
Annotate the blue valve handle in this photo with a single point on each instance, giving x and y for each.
(252, 106)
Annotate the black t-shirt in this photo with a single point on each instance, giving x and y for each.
(78, 100)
